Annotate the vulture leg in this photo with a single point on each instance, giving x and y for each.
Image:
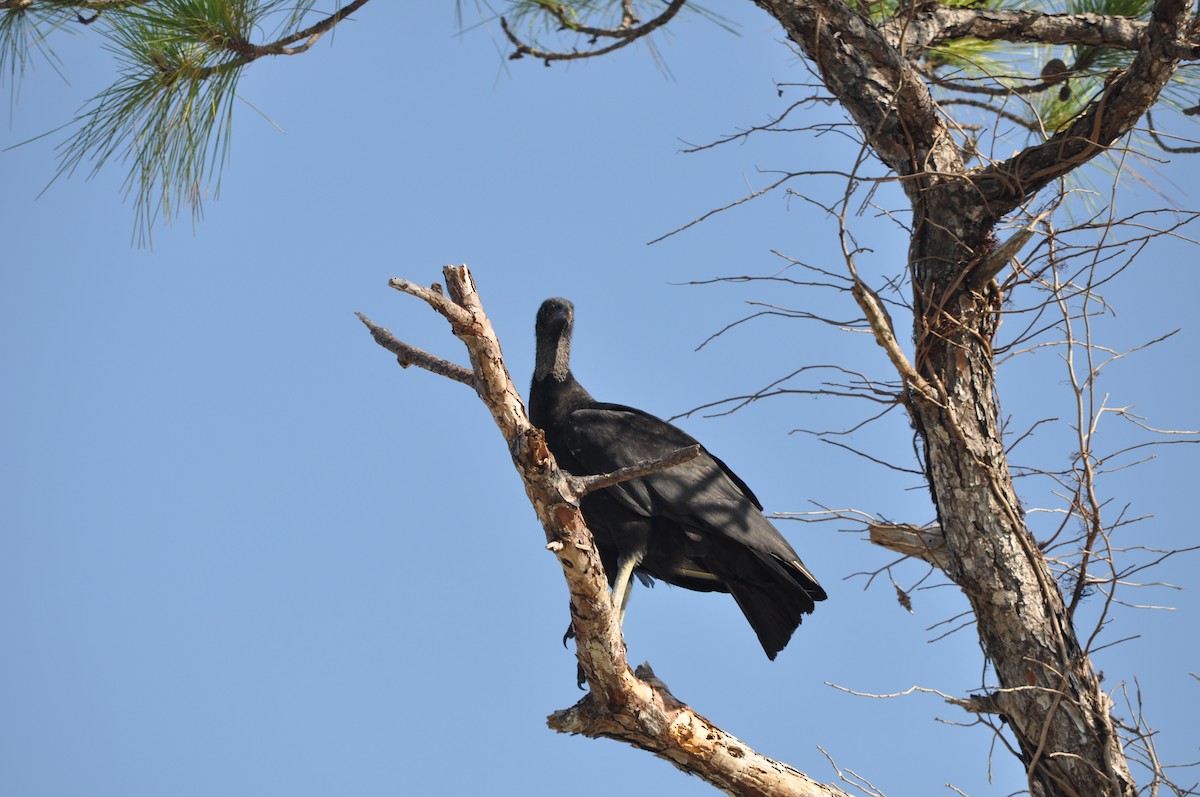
(621, 587)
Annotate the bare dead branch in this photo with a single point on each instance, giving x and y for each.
(975, 704)
(433, 296)
(991, 108)
(582, 485)
(749, 197)
(926, 543)
(634, 707)
(870, 458)
(881, 327)
(852, 778)
(1159, 137)
(408, 355)
(1004, 254)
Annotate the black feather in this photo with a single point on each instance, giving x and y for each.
(696, 525)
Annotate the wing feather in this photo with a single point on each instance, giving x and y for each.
(702, 494)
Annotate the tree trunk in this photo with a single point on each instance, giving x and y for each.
(1049, 694)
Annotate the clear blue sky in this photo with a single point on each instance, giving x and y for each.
(243, 553)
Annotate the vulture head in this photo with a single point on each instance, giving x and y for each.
(554, 321)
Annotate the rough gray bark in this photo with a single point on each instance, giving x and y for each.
(936, 24)
(1049, 694)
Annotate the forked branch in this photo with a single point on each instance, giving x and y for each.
(408, 355)
(634, 707)
(920, 542)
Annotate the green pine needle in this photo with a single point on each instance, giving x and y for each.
(169, 115)
(25, 31)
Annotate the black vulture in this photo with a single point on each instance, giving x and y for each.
(696, 525)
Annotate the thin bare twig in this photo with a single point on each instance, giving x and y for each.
(582, 485)
(625, 34)
(408, 355)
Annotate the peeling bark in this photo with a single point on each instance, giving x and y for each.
(634, 707)
(924, 543)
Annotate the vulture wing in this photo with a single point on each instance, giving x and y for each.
(726, 538)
